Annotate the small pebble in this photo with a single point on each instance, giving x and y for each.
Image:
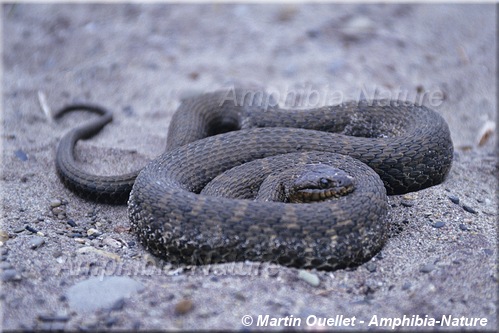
(10, 275)
(427, 268)
(4, 236)
(5, 265)
(112, 242)
(438, 224)
(30, 229)
(72, 223)
(128, 110)
(463, 227)
(488, 252)
(21, 155)
(371, 267)
(286, 13)
(240, 296)
(93, 232)
(407, 203)
(58, 211)
(310, 278)
(194, 75)
(184, 306)
(358, 25)
(55, 203)
(469, 209)
(36, 242)
(57, 254)
(486, 132)
(406, 285)
(313, 33)
(19, 229)
(454, 199)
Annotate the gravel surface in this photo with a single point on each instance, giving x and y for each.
(72, 264)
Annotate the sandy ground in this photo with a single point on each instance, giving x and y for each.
(84, 269)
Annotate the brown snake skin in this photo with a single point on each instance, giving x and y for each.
(408, 146)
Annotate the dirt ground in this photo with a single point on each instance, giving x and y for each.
(71, 264)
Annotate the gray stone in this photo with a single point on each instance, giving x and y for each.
(10, 275)
(101, 293)
(36, 242)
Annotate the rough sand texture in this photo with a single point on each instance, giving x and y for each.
(139, 60)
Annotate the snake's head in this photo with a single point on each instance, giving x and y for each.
(319, 182)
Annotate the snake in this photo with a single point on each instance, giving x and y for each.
(200, 202)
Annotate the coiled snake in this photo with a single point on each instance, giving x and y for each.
(408, 146)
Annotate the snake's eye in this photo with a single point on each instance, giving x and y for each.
(324, 182)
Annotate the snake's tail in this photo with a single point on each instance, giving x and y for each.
(107, 189)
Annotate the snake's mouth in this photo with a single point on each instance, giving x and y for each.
(320, 183)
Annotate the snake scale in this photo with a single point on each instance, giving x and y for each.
(214, 136)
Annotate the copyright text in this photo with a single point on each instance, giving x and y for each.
(374, 321)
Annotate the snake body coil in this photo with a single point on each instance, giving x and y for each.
(408, 146)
